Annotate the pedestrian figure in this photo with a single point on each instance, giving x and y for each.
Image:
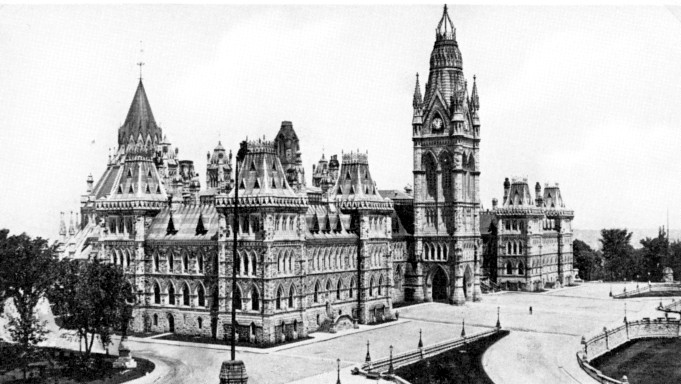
(530, 310)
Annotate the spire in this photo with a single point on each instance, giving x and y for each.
(72, 228)
(139, 129)
(418, 100)
(475, 101)
(62, 225)
(445, 28)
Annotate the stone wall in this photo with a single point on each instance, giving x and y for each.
(646, 288)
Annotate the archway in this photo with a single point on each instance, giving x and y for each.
(440, 284)
(468, 283)
(171, 323)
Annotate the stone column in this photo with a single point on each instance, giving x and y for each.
(457, 296)
(477, 292)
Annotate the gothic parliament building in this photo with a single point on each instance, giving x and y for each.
(318, 257)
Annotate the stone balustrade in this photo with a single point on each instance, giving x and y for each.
(647, 288)
(610, 339)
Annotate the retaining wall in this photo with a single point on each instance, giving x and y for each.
(647, 288)
(610, 339)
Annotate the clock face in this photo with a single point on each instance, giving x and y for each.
(436, 125)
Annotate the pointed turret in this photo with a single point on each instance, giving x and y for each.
(475, 101)
(62, 226)
(72, 228)
(418, 99)
(139, 133)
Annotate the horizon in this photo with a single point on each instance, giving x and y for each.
(599, 108)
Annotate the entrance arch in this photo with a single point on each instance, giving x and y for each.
(440, 284)
(468, 283)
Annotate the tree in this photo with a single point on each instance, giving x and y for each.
(617, 254)
(26, 267)
(588, 261)
(654, 252)
(93, 298)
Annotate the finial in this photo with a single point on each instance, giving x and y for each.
(420, 340)
(141, 63)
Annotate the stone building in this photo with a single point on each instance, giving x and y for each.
(528, 242)
(315, 257)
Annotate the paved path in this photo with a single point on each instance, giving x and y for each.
(540, 348)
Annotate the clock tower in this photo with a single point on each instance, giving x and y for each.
(445, 263)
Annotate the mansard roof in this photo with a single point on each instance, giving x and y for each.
(128, 180)
(354, 187)
(327, 222)
(185, 220)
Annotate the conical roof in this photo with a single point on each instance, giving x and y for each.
(139, 129)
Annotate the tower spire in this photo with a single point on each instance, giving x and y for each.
(445, 28)
(418, 99)
(475, 101)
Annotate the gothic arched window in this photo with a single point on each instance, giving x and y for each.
(430, 167)
(509, 268)
(291, 294)
(237, 298)
(280, 293)
(185, 295)
(255, 299)
(202, 296)
(171, 294)
(157, 294)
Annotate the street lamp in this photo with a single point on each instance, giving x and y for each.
(391, 369)
(338, 380)
(243, 149)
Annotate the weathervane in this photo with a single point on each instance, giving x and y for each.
(141, 63)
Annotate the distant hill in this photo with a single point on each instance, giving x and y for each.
(591, 236)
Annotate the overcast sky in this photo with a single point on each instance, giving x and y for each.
(589, 97)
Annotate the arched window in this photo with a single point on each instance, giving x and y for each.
(291, 294)
(200, 260)
(430, 167)
(279, 295)
(237, 260)
(371, 286)
(185, 295)
(200, 321)
(155, 320)
(171, 294)
(509, 268)
(515, 248)
(237, 298)
(439, 252)
(171, 262)
(254, 261)
(280, 263)
(127, 259)
(290, 261)
(202, 296)
(255, 299)
(316, 292)
(508, 248)
(156, 263)
(521, 268)
(380, 285)
(446, 167)
(520, 247)
(352, 288)
(157, 294)
(339, 287)
(328, 286)
(246, 263)
(185, 263)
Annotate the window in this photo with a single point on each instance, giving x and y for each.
(127, 259)
(185, 263)
(255, 299)
(237, 298)
(155, 320)
(291, 292)
(171, 262)
(430, 167)
(339, 286)
(238, 263)
(508, 248)
(316, 292)
(509, 268)
(246, 263)
(254, 260)
(200, 260)
(202, 296)
(520, 248)
(521, 268)
(380, 284)
(371, 287)
(200, 321)
(185, 295)
(171, 294)
(352, 288)
(156, 263)
(157, 294)
(279, 295)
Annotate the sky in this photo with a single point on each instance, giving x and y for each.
(585, 96)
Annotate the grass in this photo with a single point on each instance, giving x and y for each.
(458, 366)
(650, 361)
(70, 370)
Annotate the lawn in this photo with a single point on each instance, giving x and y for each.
(458, 366)
(650, 361)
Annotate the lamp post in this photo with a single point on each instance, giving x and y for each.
(338, 370)
(243, 149)
(498, 322)
(391, 369)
